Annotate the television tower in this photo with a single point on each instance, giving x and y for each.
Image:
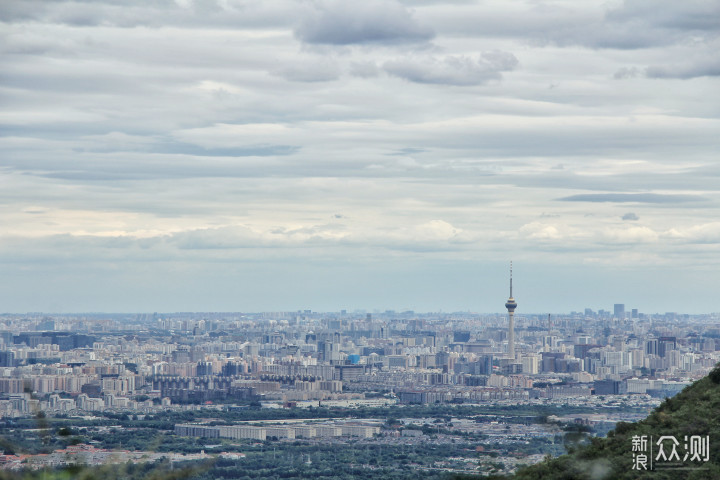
(511, 305)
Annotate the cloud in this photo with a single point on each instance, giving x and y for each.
(241, 241)
(437, 230)
(540, 231)
(320, 70)
(630, 217)
(704, 68)
(626, 25)
(564, 239)
(630, 235)
(626, 72)
(364, 69)
(338, 22)
(633, 198)
(636, 24)
(434, 235)
(231, 133)
(408, 151)
(121, 142)
(453, 70)
(235, 237)
(130, 14)
(690, 15)
(707, 233)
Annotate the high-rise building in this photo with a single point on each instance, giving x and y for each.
(665, 345)
(651, 346)
(619, 310)
(511, 305)
(7, 358)
(530, 364)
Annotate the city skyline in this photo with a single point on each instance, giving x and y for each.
(285, 155)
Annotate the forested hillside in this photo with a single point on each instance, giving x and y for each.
(691, 418)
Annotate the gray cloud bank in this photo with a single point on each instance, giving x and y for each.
(337, 22)
(453, 70)
(633, 198)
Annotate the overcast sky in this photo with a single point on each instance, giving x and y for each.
(237, 155)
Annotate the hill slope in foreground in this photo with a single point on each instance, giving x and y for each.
(688, 422)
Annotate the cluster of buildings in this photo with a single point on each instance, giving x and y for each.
(85, 454)
(143, 363)
(263, 430)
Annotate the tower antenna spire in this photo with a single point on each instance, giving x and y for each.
(510, 278)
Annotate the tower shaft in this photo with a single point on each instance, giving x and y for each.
(511, 336)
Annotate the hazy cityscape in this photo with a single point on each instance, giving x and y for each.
(394, 379)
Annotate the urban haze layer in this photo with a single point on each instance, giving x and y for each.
(335, 394)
